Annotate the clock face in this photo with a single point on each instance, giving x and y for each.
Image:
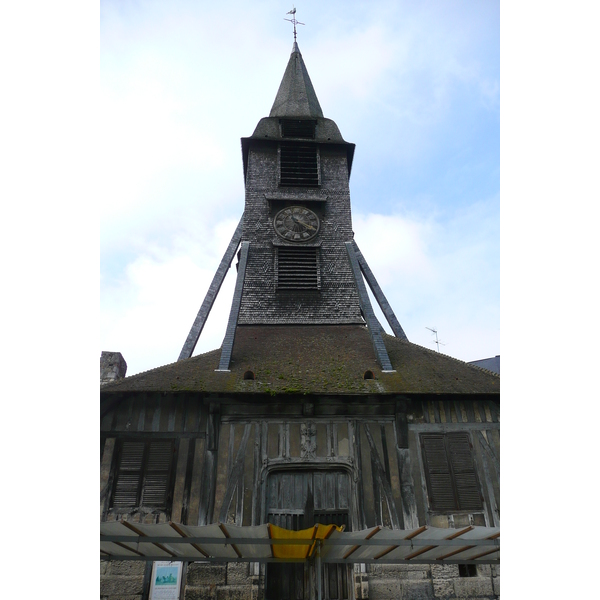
(296, 224)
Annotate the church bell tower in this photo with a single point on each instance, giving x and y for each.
(298, 264)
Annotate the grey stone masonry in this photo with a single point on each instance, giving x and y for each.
(112, 366)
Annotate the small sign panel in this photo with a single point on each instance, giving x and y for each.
(166, 581)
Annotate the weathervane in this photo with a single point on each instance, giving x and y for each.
(293, 19)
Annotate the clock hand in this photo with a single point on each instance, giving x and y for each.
(295, 219)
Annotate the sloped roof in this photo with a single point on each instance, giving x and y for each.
(319, 359)
(296, 96)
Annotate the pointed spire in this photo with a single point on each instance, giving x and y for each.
(296, 96)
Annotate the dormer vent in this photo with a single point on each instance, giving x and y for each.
(298, 128)
(299, 165)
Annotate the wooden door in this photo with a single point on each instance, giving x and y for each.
(297, 500)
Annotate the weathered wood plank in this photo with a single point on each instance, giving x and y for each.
(481, 457)
(468, 404)
(394, 476)
(192, 415)
(106, 476)
(407, 490)
(256, 479)
(457, 411)
(425, 408)
(179, 486)
(188, 475)
(367, 477)
(321, 439)
(382, 485)
(123, 417)
(436, 411)
(245, 517)
(236, 477)
(222, 460)
(453, 426)
(198, 447)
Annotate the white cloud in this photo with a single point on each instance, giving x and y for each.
(147, 315)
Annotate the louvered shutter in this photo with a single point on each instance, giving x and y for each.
(157, 474)
(450, 472)
(463, 469)
(437, 472)
(129, 475)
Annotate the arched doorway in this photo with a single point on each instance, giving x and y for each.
(297, 499)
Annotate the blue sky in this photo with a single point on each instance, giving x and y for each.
(415, 85)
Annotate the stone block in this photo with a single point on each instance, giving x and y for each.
(443, 589)
(405, 571)
(439, 521)
(417, 590)
(496, 585)
(199, 574)
(385, 589)
(203, 592)
(444, 571)
(238, 574)
(126, 568)
(484, 570)
(237, 592)
(121, 586)
(471, 587)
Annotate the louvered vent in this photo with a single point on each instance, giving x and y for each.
(299, 165)
(297, 269)
(450, 472)
(298, 128)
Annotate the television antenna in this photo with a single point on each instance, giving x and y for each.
(293, 19)
(437, 342)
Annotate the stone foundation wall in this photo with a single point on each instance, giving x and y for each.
(122, 580)
(432, 582)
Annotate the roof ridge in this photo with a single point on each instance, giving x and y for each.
(437, 353)
(132, 377)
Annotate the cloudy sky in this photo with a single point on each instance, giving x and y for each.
(414, 84)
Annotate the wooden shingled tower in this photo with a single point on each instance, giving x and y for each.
(298, 263)
(309, 413)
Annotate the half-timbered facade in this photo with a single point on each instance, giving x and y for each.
(309, 413)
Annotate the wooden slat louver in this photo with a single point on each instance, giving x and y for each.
(465, 477)
(129, 475)
(450, 472)
(298, 128)
(157, 476)
(143, 474)
(299, 165)
(297, 269)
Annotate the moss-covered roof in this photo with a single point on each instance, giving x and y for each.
(330, 359)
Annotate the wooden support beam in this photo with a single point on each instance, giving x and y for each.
(227, 347)
(365, 305)
(211, 294)
(386, 309)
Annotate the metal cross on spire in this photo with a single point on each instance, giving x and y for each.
(293, 20)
